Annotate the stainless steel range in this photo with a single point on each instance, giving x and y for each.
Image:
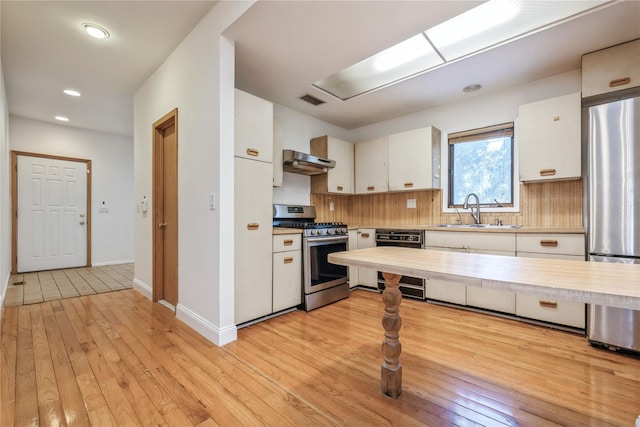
(322, 281)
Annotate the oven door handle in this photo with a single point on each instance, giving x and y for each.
(323, 239)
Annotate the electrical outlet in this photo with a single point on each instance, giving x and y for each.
(411, 203)
(331, 207)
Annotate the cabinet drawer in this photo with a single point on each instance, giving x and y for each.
(569, 313)
(287, 242)
(566, 244)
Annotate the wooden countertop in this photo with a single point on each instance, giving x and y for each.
(616, 285)
(282, 230)
(521, 230)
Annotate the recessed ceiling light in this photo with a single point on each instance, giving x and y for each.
(472, 88)
(71, 92)
(96, 31)
(62, 118)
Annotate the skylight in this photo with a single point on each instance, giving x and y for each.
(486, 26)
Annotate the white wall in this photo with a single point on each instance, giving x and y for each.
(295, 130)
(5, 191)
(197, 79)
(111, 179)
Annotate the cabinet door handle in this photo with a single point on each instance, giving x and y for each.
(371, 188)
(549, 243)
(253, 226)
(288, 260)
(365, 235)
(408, 185)
(547, 172)
(253, 152)
(548, 304)
(288, 242)
(620, 82)
(339, 188)
(162, 225)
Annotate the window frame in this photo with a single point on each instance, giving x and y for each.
(475, 134)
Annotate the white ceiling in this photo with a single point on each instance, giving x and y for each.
(282, 47)
(45, 50)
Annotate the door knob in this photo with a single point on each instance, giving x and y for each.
(162, 225)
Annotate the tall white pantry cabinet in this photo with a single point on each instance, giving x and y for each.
(253, 206)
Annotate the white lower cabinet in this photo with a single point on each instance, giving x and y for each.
(287, 271)
(491, 299)
(471, 242)
(445, 289)
(552, 246)
(367, 276)
(538, 245)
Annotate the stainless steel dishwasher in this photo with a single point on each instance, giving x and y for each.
(413, 287)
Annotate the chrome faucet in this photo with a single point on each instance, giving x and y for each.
(476, 215)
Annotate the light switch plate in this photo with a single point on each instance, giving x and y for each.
(411, 203)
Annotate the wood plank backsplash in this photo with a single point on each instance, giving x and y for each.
(545, 204)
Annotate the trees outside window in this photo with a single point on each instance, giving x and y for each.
(481, 162)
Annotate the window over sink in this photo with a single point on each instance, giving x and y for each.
(481, 161)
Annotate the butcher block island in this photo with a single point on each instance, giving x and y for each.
(615, 285)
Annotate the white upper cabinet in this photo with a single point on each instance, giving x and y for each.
(550, 139)
(611, 69)
(372, 166)
(253, 127)
(340, 179)
(414, 160)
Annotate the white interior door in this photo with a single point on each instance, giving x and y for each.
(52, 217)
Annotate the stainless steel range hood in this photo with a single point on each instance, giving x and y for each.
(305, 164)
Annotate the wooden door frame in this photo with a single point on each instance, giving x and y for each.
(14, 201)
(169, 119)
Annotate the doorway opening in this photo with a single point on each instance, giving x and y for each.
(165, 210)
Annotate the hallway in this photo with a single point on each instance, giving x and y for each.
(36, 287)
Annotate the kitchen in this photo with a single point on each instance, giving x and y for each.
(540, 204)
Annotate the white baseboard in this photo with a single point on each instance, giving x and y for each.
(143, 288)
(102, 264)
(198, 323)
(205, 328)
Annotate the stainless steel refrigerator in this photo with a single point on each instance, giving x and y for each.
(613, 198)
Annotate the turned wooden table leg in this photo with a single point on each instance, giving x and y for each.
(391, 380)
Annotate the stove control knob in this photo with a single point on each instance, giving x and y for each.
(331, 231)
(313, 232)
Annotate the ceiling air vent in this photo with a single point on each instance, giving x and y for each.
(312, 99)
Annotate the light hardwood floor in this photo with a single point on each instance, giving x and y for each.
(118, 359)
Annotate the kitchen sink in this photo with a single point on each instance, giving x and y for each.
(486, 226)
